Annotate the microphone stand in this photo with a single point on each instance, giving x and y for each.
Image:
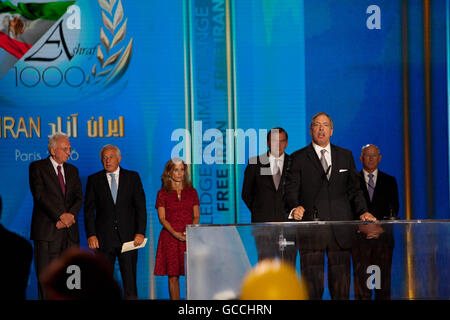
(391, 214)
(315, 214)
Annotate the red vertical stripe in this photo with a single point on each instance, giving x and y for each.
(14, 47)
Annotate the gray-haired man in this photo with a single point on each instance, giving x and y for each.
(57, 199)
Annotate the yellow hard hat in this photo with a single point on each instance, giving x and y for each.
(272, 280)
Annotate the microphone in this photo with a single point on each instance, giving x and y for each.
(391, 216)
(315, 211)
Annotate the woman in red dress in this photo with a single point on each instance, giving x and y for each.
(178, 205)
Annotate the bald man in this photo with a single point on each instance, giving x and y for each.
(380, 189)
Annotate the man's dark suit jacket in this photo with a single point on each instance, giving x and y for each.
(385, 196)
(49, 201)
(338, 199)
(265, 203)
(102, 216)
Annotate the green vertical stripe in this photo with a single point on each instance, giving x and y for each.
(33, 11)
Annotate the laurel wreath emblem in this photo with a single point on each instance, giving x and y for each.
(114, 63)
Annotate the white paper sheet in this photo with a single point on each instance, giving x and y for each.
(128, 246)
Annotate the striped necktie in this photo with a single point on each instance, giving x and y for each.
(371, 187)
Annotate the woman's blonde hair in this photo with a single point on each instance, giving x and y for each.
(166, 180)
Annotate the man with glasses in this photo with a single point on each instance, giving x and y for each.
(57, 199)
(323, 184)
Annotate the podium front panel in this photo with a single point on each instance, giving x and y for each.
(361, 260)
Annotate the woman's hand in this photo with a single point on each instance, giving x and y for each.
(179, 235)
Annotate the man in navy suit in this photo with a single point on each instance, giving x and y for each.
(323, 183)
(57, 199)
(114, 213)
(380, 189)
(374, 242)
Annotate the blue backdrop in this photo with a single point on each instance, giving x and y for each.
(249, 65)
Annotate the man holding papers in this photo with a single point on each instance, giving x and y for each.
(115, 213)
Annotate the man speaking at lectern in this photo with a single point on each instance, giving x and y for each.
(323, 179)
(324, 184)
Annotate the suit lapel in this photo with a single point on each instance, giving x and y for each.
(366, 192)
(123, 182)
(285, 166)
(67, 177)
(334, 159)
(105, 184)
(378, 185)
(264, 164)
(312, 155)
(54, 176)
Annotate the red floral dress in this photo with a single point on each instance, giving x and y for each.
(170, 253)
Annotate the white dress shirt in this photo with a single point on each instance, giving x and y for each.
(108, 176)
(276, 161)
(319, 149)
(55, 166)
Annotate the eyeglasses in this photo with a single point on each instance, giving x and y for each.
(66, 150)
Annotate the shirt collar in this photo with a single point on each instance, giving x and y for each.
(272, 157)
(318, 148)
(55, 164)
(116, 172)
(375, 173)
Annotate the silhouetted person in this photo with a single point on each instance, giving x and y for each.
(17, 254)
(79, 275)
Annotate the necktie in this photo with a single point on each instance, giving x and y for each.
(371, 187)
(113, 187)
(61, 181)
(277, 175)
(323, 161)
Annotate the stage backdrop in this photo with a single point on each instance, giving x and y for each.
(205, 79)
